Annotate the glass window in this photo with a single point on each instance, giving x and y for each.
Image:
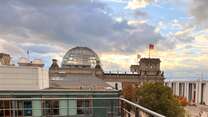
(23, 108)
(18, 106)
(84, 107)
(5, 108)
(50, 107)
(27, 108)
(1, 108)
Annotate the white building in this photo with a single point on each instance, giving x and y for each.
(23, 78)
(195, 91)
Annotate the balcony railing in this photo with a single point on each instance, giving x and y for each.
(72, 107)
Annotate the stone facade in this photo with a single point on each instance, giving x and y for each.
(5, 59)
(148, 70)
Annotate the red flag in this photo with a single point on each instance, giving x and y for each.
(151, 46)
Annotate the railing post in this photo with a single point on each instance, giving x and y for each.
(122, 109)
(136, 112)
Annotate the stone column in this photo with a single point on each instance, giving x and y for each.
(187, 90)
(206, 93)
(36, 108)
(177, 88)
(72, 107)
(63, 107)
(199, 92)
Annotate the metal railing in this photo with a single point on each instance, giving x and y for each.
(72, 107)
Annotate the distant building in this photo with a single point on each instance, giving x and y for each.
(195, 91)
(84, 61)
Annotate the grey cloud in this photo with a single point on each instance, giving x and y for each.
(140, 13)
(199, 9)
(74, 23)
(41, 48)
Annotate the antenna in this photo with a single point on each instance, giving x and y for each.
(28, 54)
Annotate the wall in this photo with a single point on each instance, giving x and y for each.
(23, 78)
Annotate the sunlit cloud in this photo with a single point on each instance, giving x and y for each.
(136, 4)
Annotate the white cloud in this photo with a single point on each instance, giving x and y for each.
(136, 4)
(199, 9)
(136, 22)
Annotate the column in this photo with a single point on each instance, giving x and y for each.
(36, 108)
(206, 93)
(199, 98)
(72, 107)
(169, 84)
(63, 107)
(187, 90)
(177, 88)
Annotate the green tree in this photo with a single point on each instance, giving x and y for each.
(159, 98)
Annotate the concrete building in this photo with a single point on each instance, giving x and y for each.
(195, 91)
(23, 78)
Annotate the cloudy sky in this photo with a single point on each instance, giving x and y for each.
(118, 30)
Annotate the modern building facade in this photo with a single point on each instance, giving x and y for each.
(195, 91)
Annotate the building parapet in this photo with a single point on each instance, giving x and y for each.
(23, 78)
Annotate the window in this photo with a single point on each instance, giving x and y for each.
(27, 108)
(84, 107)
(50, 107)
(23, 108)
(5, 108)
(1, 108)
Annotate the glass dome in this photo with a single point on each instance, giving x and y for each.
(80, 56)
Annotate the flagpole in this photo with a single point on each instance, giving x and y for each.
(151, 46)
(28, 54)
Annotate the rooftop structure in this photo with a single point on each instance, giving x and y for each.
(23, 78)
(34, 63)
(80, 57)
(79, 82)
(5, 59)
